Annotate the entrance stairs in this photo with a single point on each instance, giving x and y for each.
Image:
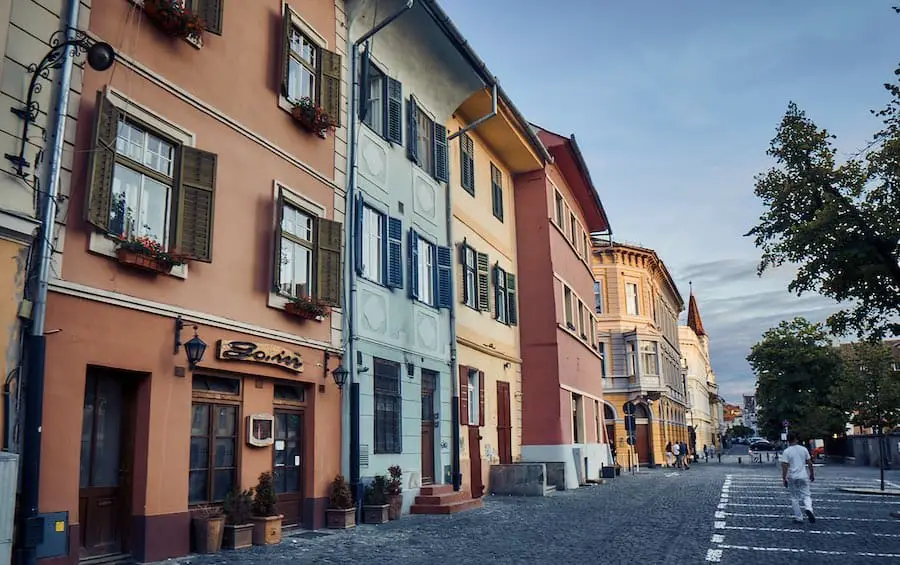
(442, 499)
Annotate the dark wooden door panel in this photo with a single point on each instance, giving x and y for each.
(429, 383)
(504, 423)
(475, 461)
(288, 465)
(642, 441)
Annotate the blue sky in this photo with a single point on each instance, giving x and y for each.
(674, 105)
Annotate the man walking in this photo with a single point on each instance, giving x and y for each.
(797, 473)
(676, 451)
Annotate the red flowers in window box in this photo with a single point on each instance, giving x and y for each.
(307, 308)
(146, 254)
(173, 19)
(313, 117)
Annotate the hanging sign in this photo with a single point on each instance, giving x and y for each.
(267, 353)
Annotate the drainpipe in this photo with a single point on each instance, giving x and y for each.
(349, 360)
(36, 346)
(482, 119)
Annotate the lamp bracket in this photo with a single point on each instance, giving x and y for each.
(179, 325)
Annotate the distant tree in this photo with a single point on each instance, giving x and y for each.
(741, 431)
(796, 369)
(837, 221)
(869, 387)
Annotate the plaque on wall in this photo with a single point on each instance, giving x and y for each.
(260, 430)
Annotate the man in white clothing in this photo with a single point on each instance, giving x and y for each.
(796, 473)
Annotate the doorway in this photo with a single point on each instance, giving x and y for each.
(287, 465)
(504, 424)
(475, 461)
(642, 435)
(107, 455)
(429, 384)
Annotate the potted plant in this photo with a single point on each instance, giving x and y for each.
(208, 526)
(238, 528)
(145, 253)
(375, 504)
(395, 492)
(174, 19)
(307, 308)
(341, 512)
(266, 519)
(312, 116)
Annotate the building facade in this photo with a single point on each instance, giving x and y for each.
(415, 75)
(199, 206)
(702, 390)
(557, 210)
(637, 307)
(484, 162)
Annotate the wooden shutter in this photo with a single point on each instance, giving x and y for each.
(197, 190)
(483, 280)
(444, 277)
(497, 188)
(395, 253)
(328, 260)
(276, 256)
(511, 303)
(461, 281)
(358, 235)
(330, 84)
(481, 398)
(210, 13)
(467, 162)
(463, 395)
(365, 65)
(394, 111)
(413, 256)
(286, 26)
(103, 160)
(412, 131)
(439, 144)
(496, 273)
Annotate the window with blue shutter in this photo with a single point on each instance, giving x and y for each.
(412, 130)
(412, 243)
(394, 111)
(444, 277)
(395, 253)
(441, 163)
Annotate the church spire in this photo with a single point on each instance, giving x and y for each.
(693, 321)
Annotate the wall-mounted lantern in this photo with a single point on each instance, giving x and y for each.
(194, 348)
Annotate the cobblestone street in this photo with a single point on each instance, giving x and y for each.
(658, 516)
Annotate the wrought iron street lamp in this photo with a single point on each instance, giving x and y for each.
(340, 376)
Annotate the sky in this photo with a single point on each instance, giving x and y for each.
(674, 104)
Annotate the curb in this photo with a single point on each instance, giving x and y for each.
(872, 491)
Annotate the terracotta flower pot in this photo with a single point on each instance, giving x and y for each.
(395, 506)
(266, 530)
(340, 518)
(208, 534)
(238, 537)
(142, 262)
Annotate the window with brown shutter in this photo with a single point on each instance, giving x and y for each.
(328, 258)
(309, 70)
(144, 184)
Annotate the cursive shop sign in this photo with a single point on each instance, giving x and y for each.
(267, 353)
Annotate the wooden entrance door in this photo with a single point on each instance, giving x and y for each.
(287, 464)
(504, 424)
(475, 461)
(642, 442)
(429, 383)
(107, 438)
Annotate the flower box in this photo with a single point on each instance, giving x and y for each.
(340, 518)
(306, 308)
(143, 262)
(173, 19)
(312, 117)
(375, 513)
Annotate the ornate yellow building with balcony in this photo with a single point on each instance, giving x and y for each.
(637, 306)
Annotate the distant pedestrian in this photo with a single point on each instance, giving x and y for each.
(676, 451)
(705, 453)
(669, 457)
(685, 456)
(612, 451)
(797, 473)
(719, 453)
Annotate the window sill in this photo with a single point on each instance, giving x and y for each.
(101, 244)
(280, 301)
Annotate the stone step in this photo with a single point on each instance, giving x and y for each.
(432, 490)
(451, 508)
(443, 498)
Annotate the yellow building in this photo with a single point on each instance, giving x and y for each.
(703, 392)
(484, 161)
(637, 306)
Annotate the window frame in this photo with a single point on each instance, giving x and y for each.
(369, 211)
(598, 296)
(631, 359)
(581, 320)
(601, 349)
(632, 303)
(426, 248)
(470, 295)
(311, 246)
(560, 203)
(375, 72)
(501, 311)
(213, 400)
(474, 402)
(425, 155)
(392, 445)
(314, 69)
(654, 370)
(497, 192)
(568, 307)
(467, 155)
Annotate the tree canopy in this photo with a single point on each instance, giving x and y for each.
(837, 220)
(796, 369)
(869, 387)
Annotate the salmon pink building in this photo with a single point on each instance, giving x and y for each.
(201, 207)
(557, 211)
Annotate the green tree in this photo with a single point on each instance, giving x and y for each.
(796, 369)
(741, 431)
(837, 220)
(869, 388)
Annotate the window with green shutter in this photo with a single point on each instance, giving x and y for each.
(144, 184)
(497, 192)
(467, 163)
(308, 69)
